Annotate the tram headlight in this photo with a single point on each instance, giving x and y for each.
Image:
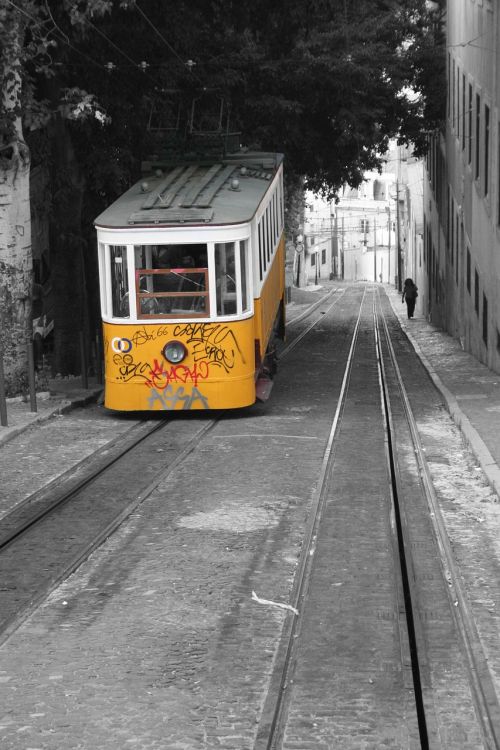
(174, 352)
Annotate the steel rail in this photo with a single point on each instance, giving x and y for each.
(66, 476)
(98, 468)
(416, 641)
(34, 515)
(83, 552)
(312, 307)
(300, 336)
(485, 698)
(40, 497)
(271, 726)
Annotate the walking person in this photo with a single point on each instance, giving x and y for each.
(410, 294)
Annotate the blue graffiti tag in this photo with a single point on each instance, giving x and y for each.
(169, 398)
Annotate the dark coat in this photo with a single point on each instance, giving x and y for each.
(410, 291)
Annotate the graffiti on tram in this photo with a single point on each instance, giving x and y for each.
(208, 342)
(212, 342)
(175, 386)
(160, 375)
(177, 398)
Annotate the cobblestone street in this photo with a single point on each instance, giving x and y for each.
(156, 641)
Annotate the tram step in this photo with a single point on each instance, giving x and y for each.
(263, 388)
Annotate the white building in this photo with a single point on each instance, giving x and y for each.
(365, 225)
(409, 209)
(319, 254)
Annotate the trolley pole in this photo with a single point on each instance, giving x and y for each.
(3, 402)
(31, 374)
(299, 248)
(398, 239)
(388, 209)
(342, 250)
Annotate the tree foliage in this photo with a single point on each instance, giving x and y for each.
(328, 82)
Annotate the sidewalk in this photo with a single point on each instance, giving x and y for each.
(471, 391)
(62, 396)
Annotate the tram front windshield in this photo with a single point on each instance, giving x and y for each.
(171, 280)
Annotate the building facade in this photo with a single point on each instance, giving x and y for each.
(462, 187)
(319, 250)
(410, 262)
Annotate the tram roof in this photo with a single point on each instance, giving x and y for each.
(225, 191)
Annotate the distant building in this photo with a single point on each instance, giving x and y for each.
(319, 248)
(409, 209)
(462, 187)
(365, 225)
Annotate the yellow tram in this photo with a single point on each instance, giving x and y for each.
(191, 268)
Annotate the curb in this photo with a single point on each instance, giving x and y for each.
(63, 407)
(470, 434)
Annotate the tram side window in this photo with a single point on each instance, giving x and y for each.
(119, 281)
(225, 278)
(244, 276)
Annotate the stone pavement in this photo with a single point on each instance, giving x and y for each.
(63, 395)
(470, 390)
(126, 632)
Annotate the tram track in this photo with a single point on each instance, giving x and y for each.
(28, 528)
(380, 654)
(420, 619)
(274, 713)
(51, 533)
(485, 699)
(416, 642)
(325, 301)
(176, 582)
(35, 506)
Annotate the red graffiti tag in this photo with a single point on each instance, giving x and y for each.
(160, 376)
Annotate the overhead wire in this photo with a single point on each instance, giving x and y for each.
(52, 31)
(134, 64)
(143, 65)
(61, 36)
(185, 63)
(54, 22)
(158, 33)
(111, 43)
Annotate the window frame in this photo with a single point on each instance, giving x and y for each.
(169, 295)
(471, 104)
(241, 249)
(464, 121)
(477, 167)
(468, 274)
(242, 239)
(486, 152)
(485, 319)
